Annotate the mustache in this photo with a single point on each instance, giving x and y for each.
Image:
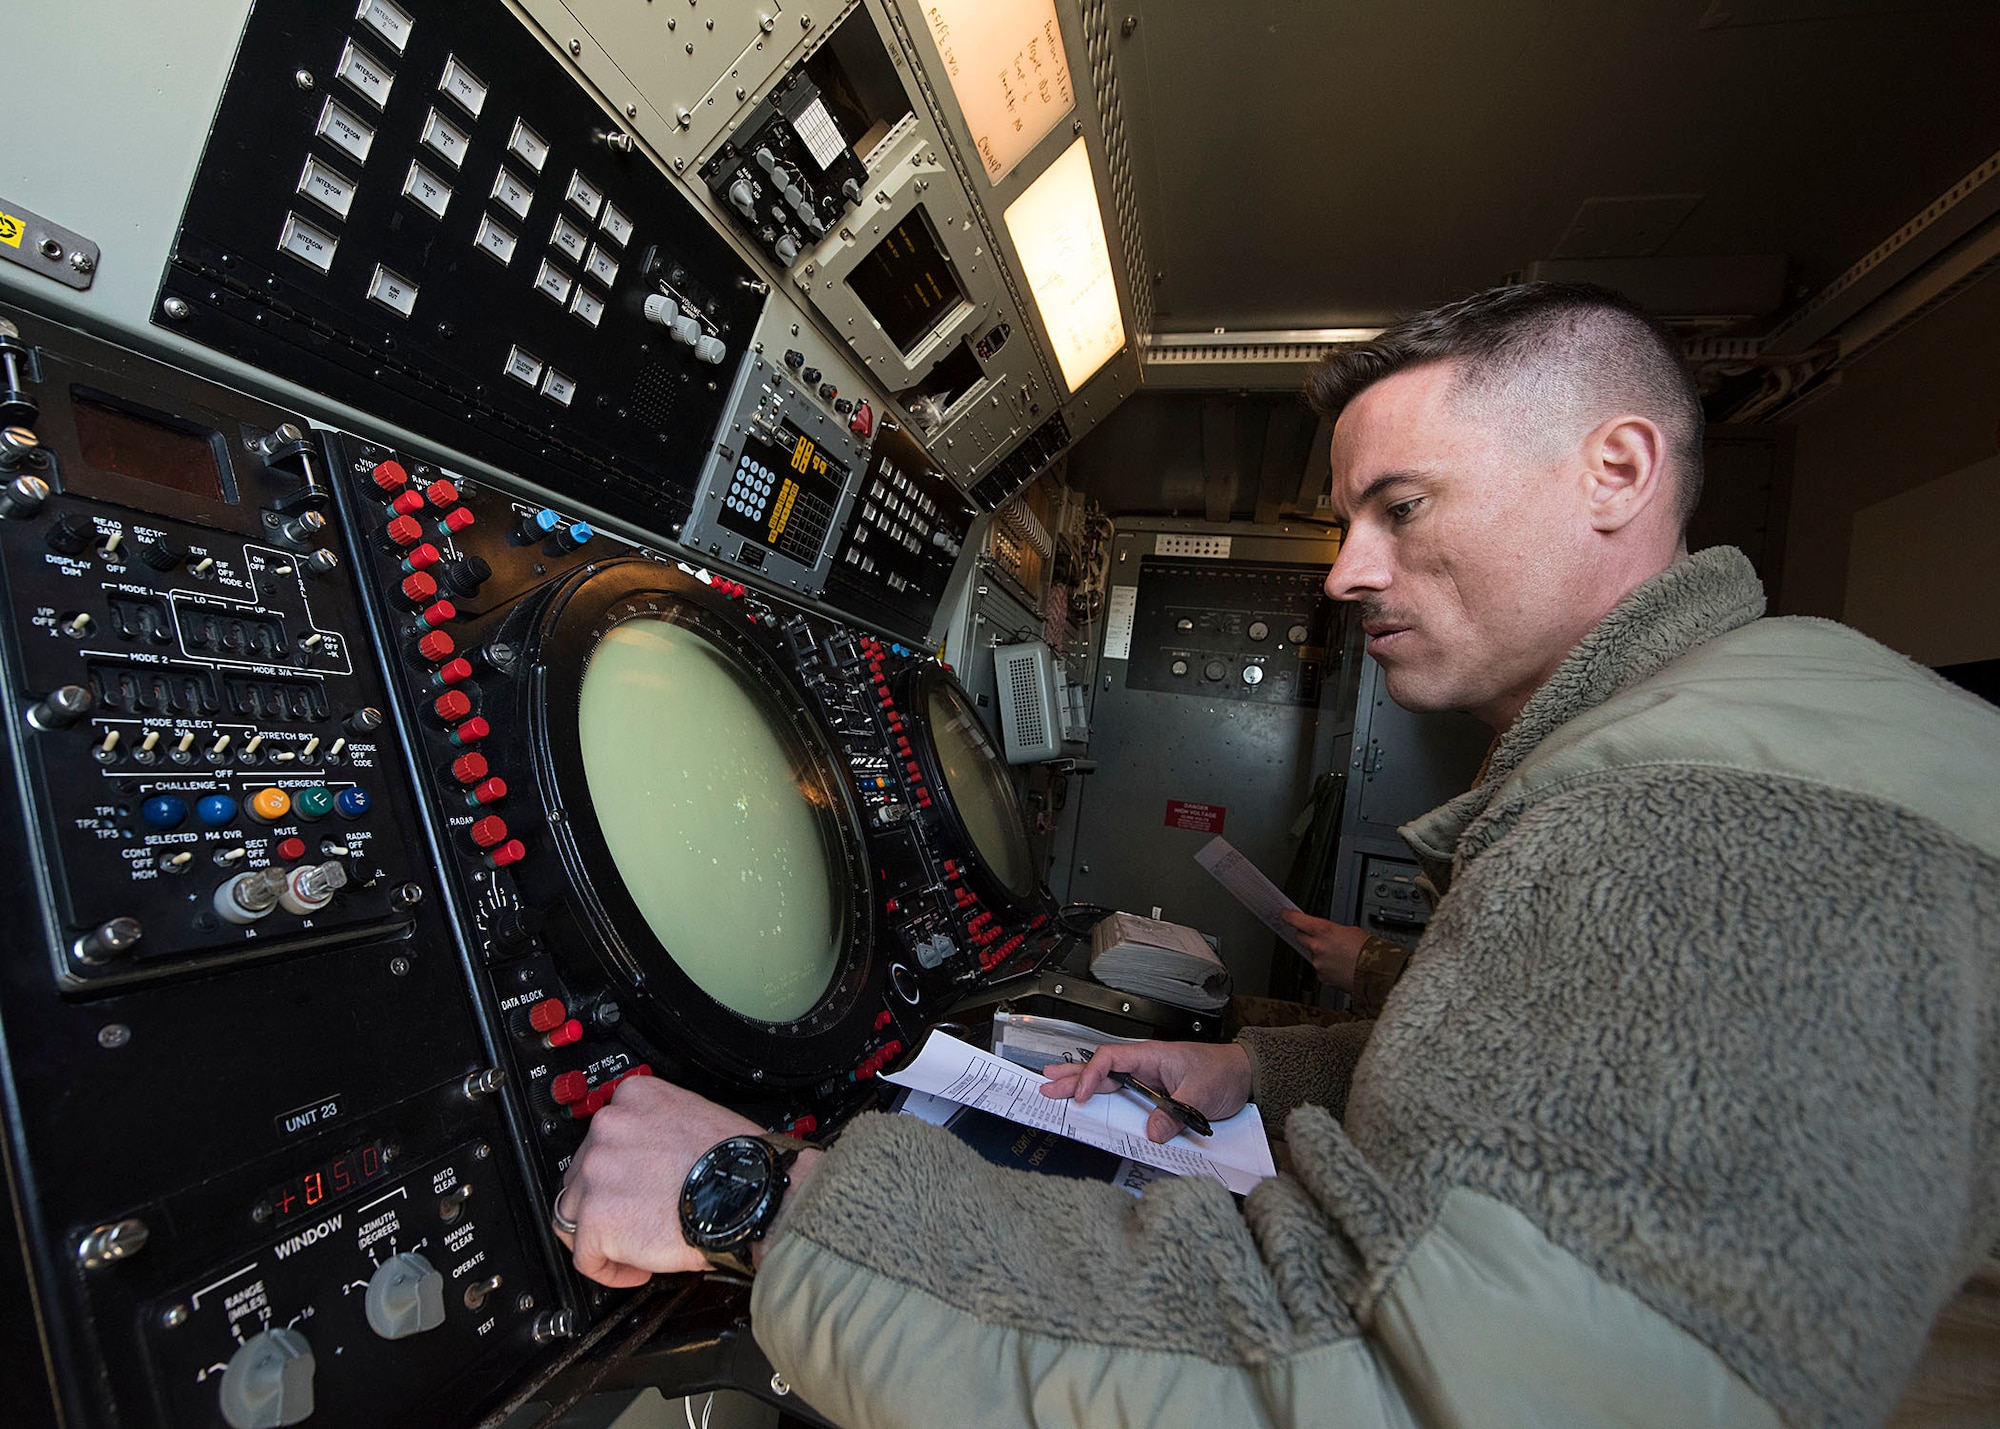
(1371, 611)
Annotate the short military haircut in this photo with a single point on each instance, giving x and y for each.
(1550, 359)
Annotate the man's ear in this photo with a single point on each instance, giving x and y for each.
(1624, 471)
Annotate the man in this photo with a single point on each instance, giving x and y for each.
(1687, 1109)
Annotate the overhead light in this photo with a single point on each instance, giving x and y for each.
(1008, 69)
(1058, 230)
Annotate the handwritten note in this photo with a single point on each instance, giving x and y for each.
(1010, 74)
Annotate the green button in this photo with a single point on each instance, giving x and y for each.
(313, 803)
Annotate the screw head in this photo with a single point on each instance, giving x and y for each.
(82, 262)
(113, 1035)
(399, 966)
(576, 47)
(174, 1316)
(303, 78)
(175, 308)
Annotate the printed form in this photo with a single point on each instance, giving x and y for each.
(1237, 1154)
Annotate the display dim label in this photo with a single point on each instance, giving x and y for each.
(310, 1117)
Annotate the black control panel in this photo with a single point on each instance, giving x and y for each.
(244, 1077)
(409, 205)
(492, 612)
(1234, 630)
(788, 173)
(908, 524)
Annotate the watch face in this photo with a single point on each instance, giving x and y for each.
(726, 1187)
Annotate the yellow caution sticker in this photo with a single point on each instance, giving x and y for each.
(11, 230)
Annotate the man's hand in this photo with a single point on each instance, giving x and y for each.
(1333, 947)
(623, 1187)
(1213, 1078)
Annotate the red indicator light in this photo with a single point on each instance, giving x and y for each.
(570, 1032)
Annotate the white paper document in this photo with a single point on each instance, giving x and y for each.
(1248, 885)
(1238, 1154)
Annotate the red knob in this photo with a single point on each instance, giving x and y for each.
(469, 768)
(457, 520)
(547, 1014)
(488, 791)
(419, 589)
(421, 557)
(436, 646)
(453, 671)
(441, 494)
(567, 1087)
(883, 1019)
(436, 615)
(512, 851)
(489, 831)
(292, 850)
(406, 531)
(471, 732)
(805, 1125)
(409, 503)
(389, 477)
(452, 706)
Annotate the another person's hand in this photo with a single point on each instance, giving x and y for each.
(1334, 948)
(1211, 1077)
(623, 1187)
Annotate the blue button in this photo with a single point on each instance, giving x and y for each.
(352, 803)
(215, 810)
(164, 811)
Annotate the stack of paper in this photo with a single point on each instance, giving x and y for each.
(1168, 962)
(1237, 1153)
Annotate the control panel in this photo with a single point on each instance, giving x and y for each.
(245, 1074)
(200, 720)
(787, 174)
(1234, 630)
(411, 206)
(489, 609)
(908, 526)
(1392, 905)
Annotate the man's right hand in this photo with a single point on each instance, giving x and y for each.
(1212, 1077)
(1333, 948)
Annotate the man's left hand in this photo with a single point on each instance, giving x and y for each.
(623, 1187)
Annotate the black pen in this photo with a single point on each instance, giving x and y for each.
(1194, 1120)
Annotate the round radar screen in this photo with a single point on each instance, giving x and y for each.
(977, 783)
(698, 794)
(711, 850)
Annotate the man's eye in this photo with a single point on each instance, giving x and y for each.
(1403, 510)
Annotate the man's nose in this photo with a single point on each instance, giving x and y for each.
(1358, 568)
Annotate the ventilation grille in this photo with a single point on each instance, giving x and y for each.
(1025, 675)
(1097, 40)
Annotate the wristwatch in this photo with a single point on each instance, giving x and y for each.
(732, 1194)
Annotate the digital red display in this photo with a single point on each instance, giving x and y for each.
(324, 1182)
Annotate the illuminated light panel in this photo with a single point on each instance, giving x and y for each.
(1058, 230)
(1008, 70)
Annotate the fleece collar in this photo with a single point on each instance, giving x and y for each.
(1710, 593)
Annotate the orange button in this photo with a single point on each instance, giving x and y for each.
(270, 805)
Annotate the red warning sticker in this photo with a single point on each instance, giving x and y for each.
(1195, 818)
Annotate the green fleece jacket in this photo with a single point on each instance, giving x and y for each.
(1687, 1110)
